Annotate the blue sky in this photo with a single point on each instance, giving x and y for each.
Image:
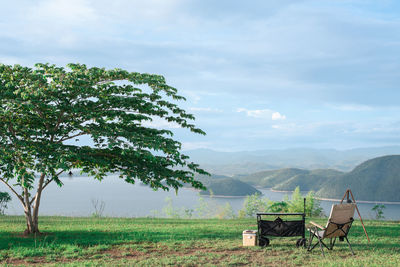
(256, 74)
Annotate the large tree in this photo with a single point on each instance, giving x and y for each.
(46, 109)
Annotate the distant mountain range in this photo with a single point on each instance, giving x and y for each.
(247, 162)
(376, 179)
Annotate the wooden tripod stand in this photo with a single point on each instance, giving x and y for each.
(348, 200)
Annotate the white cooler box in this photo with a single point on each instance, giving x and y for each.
(250, 238)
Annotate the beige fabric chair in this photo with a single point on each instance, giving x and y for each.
(338, 225)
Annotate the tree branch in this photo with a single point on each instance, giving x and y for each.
(12, 189)
(42, 117)
(59, 120)
(11, 129)
(49, 181)
(70, 137)
(44, 186)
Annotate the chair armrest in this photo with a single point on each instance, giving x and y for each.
(317, 225)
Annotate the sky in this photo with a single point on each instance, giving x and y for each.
(256, 74)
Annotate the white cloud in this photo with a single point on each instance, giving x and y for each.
(277, 116)
(195, 145)
(352, 107)
(221, 54)
(210, 110)
(138, 10)
(73, 12)
(262, 114)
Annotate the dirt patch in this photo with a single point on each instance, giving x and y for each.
(32, 261)
(142, 252)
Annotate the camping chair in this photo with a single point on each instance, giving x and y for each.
(338, 225)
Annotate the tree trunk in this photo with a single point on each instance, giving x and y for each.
(32, 217)
(31, 223)
(31, 227)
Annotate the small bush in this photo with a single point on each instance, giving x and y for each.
(253, 204)
(378, 209)
(4, 199)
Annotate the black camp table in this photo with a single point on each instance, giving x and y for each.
(281, 228)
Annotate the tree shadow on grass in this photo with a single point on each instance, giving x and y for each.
(91, 238)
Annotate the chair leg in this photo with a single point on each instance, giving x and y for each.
(320, 243)
(310, 241)
(349, 246)
(332, 243)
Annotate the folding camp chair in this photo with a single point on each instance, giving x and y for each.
(338, 225)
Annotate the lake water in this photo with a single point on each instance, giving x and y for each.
(126, 200)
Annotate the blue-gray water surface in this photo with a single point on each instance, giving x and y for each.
(127, 200)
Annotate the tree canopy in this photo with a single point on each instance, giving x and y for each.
(45, 110)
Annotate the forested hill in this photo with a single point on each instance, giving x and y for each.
(220, 185)
(229, 187)
(376, 179)
(289, 179)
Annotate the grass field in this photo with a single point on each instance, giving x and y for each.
(179, 242)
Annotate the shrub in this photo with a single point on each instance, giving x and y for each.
(255, 203)
(278, 206)
(252, 205)
(225, 212)
(378, 209)
(296, 203)
(4, 199)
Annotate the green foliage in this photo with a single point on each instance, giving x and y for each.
(378, 209)
(296, 203)
(203, 209)
(44, 111)
(278, 206)
(253, 204)
(169, 210)
(313, 205)
(42, 108)
(211, 209)
(4, 199)
(225, 212)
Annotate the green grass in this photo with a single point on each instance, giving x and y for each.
(178, 242)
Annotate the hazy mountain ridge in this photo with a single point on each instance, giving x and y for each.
(247, 162)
